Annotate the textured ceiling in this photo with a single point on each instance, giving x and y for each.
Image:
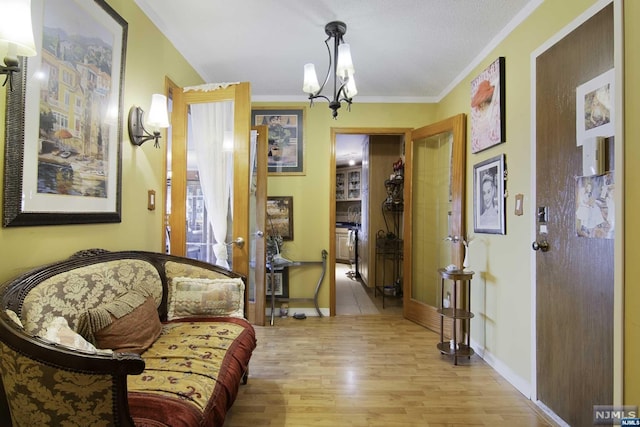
(403, 50)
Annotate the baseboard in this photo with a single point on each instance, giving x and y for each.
(549, 413)
(522, 385)
(517, 381)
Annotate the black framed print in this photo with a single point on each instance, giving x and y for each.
(281, 279)
(488, 196)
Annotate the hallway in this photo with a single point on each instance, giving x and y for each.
(353, 298)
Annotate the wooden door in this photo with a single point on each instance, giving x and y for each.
(575, 277)
(434, 210)
(240, 95)
(257, 224)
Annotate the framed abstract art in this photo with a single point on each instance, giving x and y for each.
(488, 107)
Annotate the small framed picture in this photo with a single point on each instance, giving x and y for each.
(281, 279)
(488, 196)
(286, 138)
(280, 217)
(595, 115)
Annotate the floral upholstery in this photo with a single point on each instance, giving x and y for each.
(71, 293)
(188, 377)
(178, 269)
(40, 395)
(190, 362)
(205, 297)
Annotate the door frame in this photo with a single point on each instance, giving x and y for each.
(169, 88)
(618, 285)
(406, 132)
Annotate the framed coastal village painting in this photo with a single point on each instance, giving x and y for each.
(64, 119)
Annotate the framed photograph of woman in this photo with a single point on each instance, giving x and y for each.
(488, 196)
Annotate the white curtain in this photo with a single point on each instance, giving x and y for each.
(215, 168)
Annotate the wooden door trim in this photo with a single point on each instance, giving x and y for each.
(169, 89)
(256, 309)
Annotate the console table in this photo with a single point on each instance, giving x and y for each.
(459, 315)
(272, 267)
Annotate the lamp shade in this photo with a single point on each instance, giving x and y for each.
(158, 114)
(16, 30)
(310, 84)
(345, 64)
(350, 89)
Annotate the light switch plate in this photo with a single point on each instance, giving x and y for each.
(151, 200)
(519, 204)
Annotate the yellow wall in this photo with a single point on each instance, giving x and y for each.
(149, 58)
(632, 204)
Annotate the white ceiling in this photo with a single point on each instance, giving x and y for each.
(403, 50)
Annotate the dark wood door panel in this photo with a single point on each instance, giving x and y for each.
(574, 293)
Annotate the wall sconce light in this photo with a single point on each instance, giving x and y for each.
(158, 117)
(16, 36)
(342, 69)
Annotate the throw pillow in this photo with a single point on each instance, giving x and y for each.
(205, 297)
(59, 332)
(97, 318)
(14, 317)
(133, 332)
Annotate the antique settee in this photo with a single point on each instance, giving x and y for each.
(122, 338)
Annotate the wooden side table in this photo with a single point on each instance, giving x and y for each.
(459, 315)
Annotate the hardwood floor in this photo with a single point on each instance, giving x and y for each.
(376, 370)
(353, 297)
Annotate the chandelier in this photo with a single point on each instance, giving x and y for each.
(344, 85)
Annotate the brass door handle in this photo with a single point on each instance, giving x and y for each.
(239, 242)
(542, 245)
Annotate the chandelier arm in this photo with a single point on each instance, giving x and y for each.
(326, 79)
(312, 97)
(342, 94)
(336, 92)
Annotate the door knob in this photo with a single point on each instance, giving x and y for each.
(542, 245)
(259, 233)
(239, 242)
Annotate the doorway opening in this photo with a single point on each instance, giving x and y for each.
(364, 281)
